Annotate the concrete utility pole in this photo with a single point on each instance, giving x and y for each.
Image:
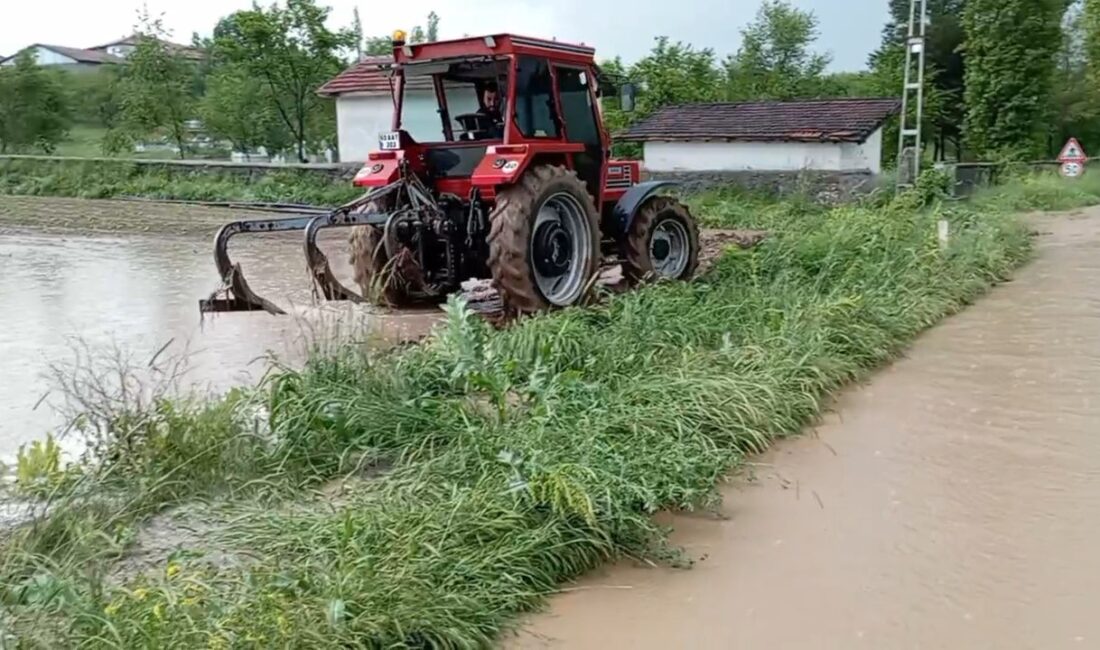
(912, 97)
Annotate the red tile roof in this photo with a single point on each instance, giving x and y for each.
(822, 120)
(369, 76)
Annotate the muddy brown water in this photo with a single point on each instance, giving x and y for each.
(130, 275)
(953, 501)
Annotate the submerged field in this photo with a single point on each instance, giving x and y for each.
(423, 497)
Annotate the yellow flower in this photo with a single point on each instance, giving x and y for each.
(158, 611)
(173, 569)
(140, 594)
(112, 609)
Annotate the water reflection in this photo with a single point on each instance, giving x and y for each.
(140, 293)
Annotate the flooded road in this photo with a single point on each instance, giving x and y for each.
(130, 275)
(951, 502)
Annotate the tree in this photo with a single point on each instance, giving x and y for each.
(291, 51)
(775, 61)
(1089, 27)
(433, 27)
(34, 110)
(1075, 93)
(156, 89)
(378, 46)
(238, 108)
(675, 73)
(383, 45)
(945, 110)
(94, 96)
(1011, 47)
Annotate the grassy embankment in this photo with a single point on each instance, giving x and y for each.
(489, 467)
(104, 179)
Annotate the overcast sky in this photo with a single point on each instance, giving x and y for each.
(849, 28)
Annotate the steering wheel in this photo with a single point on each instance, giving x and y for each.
(476, 125)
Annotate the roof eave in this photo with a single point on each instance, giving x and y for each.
(740, 138)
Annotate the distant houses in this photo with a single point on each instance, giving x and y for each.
(76, 58)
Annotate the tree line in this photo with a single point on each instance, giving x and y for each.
(254, 86)
(1005, 79)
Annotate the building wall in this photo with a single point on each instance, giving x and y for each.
(764, 156)
(362, 117)
(867, 155)
(46, 57)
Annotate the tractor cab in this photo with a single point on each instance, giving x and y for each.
(456, 103)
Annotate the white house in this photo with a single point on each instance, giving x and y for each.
(72, 58)
(364, 106)
(842, 135)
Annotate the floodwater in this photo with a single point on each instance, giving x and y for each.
(127, 288)
(953, 501)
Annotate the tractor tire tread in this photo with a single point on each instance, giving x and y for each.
(637, 265)
(369, 264)
(510, 234)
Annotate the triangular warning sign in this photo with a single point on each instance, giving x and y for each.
(1072, 152)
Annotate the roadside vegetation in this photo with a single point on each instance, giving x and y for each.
(426, 496)
(105, 179)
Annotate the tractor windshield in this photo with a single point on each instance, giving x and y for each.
(457, 100)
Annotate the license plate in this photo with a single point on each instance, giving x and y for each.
(389, 141)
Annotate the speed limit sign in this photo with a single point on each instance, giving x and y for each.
(1073, 159)
(1072, 169)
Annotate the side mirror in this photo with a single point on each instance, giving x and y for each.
(626, 97)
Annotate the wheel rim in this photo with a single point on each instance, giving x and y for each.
(561, 249)
(669, 248)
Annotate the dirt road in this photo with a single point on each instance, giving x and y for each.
(951, 502)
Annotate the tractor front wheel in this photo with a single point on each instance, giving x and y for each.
(544, 243)
(663, 242)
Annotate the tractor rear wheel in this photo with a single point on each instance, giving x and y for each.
(544, 243)
(663, 242)
(382, 281)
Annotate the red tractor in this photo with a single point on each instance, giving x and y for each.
(507, 173)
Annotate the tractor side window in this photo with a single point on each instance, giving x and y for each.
(576, 106)
(535, 112)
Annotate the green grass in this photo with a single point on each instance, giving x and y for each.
(83, 141)
(99, 179)
(495, 465)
